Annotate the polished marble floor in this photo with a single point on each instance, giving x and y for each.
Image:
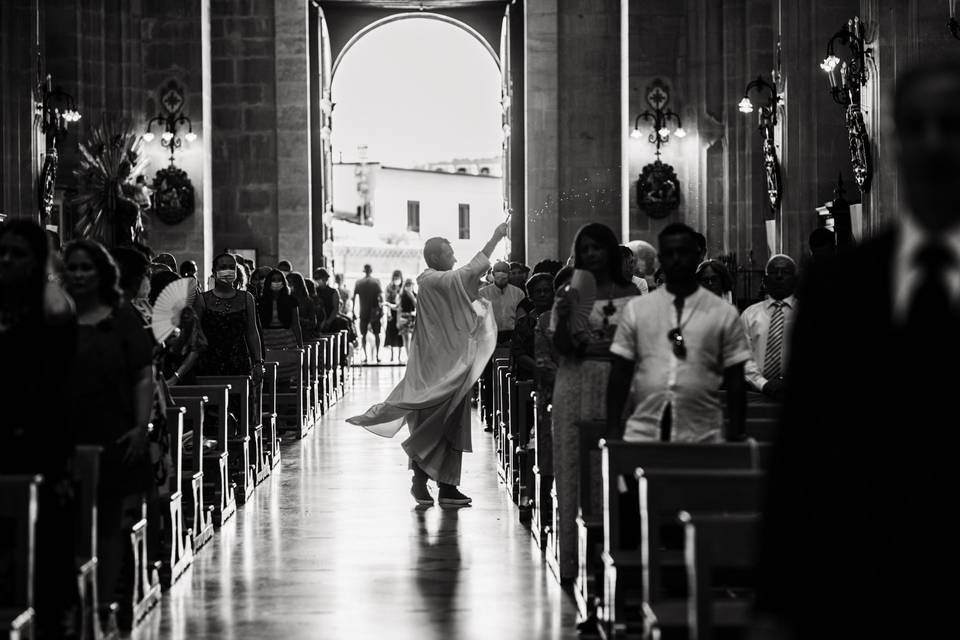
(332, 547)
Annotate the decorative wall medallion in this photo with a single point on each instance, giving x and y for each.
(173, 195)
(658, 190)
(171, 97)
(859, 148)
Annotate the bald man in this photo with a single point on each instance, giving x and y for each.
(769, 324)
(453, 338)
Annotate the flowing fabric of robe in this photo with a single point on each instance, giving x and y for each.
(453, 339)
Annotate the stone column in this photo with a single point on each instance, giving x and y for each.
(294, 226)
(173, 48)
(19, 144)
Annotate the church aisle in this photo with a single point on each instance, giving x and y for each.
(332, 547)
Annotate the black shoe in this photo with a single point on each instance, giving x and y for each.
(421, 494)
(450, 496)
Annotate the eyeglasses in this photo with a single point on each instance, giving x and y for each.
(679, 345)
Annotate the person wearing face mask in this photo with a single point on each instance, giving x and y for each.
(505, 297)
(280, 319)
(228, 318)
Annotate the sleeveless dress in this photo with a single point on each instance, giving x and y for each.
(224, 323)
(392, 338)
(579, 393)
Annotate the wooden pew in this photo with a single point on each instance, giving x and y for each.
(199, 514)
(521, 458)
(86, 482)
(243, 454)
(312, 399)
(293, 414)
(216, 462)
(18, 522)
(715, 544)
(622, 565)
(178, 542)
(146, 575)
(501, 412)
(268, 413)
(665, 493)
(589, 518)
(542, 507)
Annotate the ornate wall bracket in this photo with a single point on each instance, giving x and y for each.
(767, 118)
(658, 190)
(859, 142)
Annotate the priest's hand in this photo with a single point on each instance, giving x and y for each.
(501, 231)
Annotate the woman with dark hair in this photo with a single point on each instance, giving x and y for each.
(110, 399)
(714, 277)
(306, 309)
(243, 276)
(407, 319)
(280, 320)
(38, 345)
(228, 319)
(585, 319)
(134, 280)
(256, 281)
(392, 302)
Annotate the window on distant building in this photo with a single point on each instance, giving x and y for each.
(413, 216)
(461, 169)
(485, 171)
(464, 222)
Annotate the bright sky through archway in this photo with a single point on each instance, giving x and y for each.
(416, 91)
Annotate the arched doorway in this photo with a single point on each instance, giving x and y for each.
(339, 29)
(418, 143)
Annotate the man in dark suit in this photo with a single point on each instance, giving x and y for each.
(861, 485)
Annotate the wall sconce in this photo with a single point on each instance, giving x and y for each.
(55, 110)
(952, 23)
(847, 78)
(172, 101)
(658, 188)
(767, 122)
(658, 96)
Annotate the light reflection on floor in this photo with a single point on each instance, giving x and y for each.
(332, 547)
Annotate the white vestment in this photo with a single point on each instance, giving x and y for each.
(453, 339)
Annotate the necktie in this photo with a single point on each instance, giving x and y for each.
(773, 357)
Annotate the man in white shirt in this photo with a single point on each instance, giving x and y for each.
(769, 325)
(504, 297)
(676, 346)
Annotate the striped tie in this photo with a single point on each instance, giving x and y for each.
(773, 357)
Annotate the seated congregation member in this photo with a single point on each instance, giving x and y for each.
(644, 266)
(228, 319)
(391, 299)
(328, 300)
(280, 319)
(504, 297)
(134, 280)
(306, 309)
(673, 349)
(769, 324)
(110, 402)
(38, 345)
(519, 273)
(864, 472)
(181, 351)
(551, 267)
(540, 295)
(714, 277)
(585, 322)
(188, 269)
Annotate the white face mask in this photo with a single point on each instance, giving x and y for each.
(276, 286)
(227, 275)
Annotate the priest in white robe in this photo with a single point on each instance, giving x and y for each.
(454, 336)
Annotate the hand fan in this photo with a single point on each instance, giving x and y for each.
(173, 299)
